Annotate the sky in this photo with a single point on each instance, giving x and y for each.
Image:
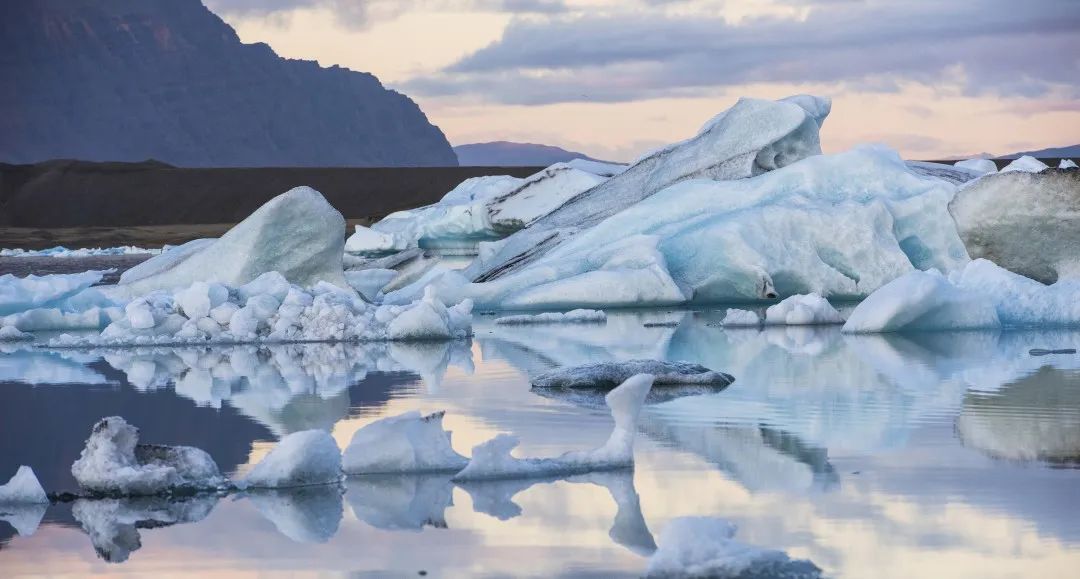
(615, 78)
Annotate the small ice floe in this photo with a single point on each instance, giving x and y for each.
(18, 294)
(310, 514)
(608, 375)
(705, 547)
(114, 463)
(1027, 164)
(1043, 352)
(113, 524)
(23, 489)
(429, 319)
(579, 316)
(309, 457)
(408, 443)
(735, 318)
(1067, 164)
(802, 310)
(981, 166)
(492, 459)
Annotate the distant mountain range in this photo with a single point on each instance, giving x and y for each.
(128, 80)
(1068, 152)
(509, 154)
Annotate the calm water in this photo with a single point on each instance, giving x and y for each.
(948, 455)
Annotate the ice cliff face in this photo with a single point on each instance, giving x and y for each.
(169, 80)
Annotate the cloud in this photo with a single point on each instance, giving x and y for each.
(998, 47)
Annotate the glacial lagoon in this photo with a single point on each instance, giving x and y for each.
(871, 456)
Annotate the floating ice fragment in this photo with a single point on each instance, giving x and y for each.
(735, 318)
(802, 310)
(408, 443)
(1067, 164)
(23, 488)
(1027, 164)
(578, 316)
(608, 375)
(981, 166)
(310, 457)
(32, 292)
(921, 301)
(13, 334)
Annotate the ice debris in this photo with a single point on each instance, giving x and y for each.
(802, 310)
(23, 488)
(736, 318)
(706, 547)
(608, 375)
(579, 316)
(113, 462)
(309, 457)
(408, 443)
(61, 251)
(492, 459)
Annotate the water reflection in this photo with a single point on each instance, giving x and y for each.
(113, 524)
(305, 515)
(401, 503)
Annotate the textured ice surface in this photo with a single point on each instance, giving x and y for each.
(1026, 164)
(1025, 222)
(114, 462)
(572, 317)
(36, 292)
(23, 488)
(165, 260)
(310, 457)
(429, 319)
(802, 310)
(981, 166)
(706, 547)
(408, 443)
(297, 234)
(750, 138)
(736, 318)
(608, 375)
(492, 459)
(955, 174)
(836, 225)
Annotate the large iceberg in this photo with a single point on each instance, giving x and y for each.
(979, 295)
(297, 234)
(306, 458)
(840, 226)
(23, 488)
(113, 462)
(492, 459)
(750, 138)
(408, 443)
(1025, 222)
(706, 547)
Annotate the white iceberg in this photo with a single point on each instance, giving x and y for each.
(492, 459)
(23, 488)
(705, 547)
(579, 316)
(429, 319)
(981, 166)
(306, 458)
(113, 462)
(1026, 164)
(1025, 222)
(1067, 164)
(802, 310)
(408, 443)
(736, 318)
(366, 240)
(297, 234)
(36, 292)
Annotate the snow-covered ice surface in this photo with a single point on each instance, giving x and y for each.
(1067, 164)
(578, 316)
(706, 547)
(61, 251)
(492, 459)
(1025, 164)
(408, 443)
(23, 489)
(802, 310)
(113, 462)
(306, 458)
(1024, 222)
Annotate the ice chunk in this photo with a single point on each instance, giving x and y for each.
(32, 292)
(705, 547)
(750, 138)
(1067, 164)
(537, 196)
(981, 166)
(918, 301)
(113, 524)
(608, 375)
(114, 462)
(802, 310)
(429, 319)
(23, 488)
(1028, 223)
(297, 234)
(305, 515)
(579, 316)
(365, 240)
(310, 457)
(1027, 164)
(408, 443)
(735, 318)
(492, 459)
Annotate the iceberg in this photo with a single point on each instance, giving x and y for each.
(802, 310)
(609, 375)
(736, 318)
(114, 463)
(1026, 164)
(705, 547)
(750, 138)
(297, 234)
(408, 443)
(38, 292)
(365, 240)
(1067, 164)
(13, 334)
(429, 319)
(23, 488)
(1024, 222)
(578, 316)
(492, 459)
(306, 458)
(980, 166)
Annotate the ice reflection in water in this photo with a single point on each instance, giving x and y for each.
(939, 453)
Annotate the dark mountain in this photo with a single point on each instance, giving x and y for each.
(1067, 152)
(507, 154)
(128, 80)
